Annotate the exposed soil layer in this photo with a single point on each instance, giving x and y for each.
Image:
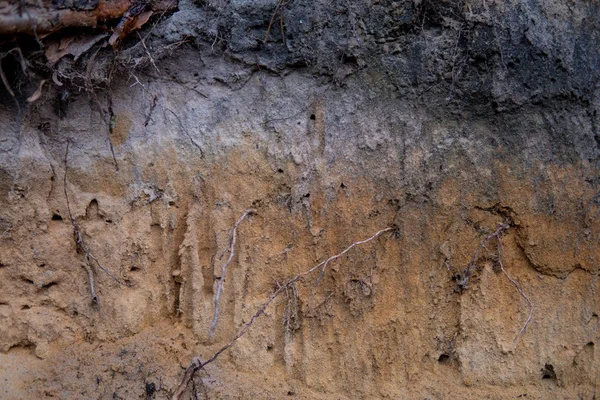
(333, 120)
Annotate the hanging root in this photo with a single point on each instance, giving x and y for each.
(9, 89)
(197, 364)
(516, 285)
(462, 279)
(291, 321)
(87, 267)
(80, 243)
(182, 129)
(224, 268)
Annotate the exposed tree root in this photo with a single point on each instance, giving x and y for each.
(44, 17)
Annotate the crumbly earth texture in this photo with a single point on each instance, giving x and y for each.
(333, 120)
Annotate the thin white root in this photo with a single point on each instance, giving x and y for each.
(196, 365)
(93, 294)
(516, 285)
(224, 269)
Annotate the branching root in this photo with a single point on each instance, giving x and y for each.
(196, 364)
(246, 213)
(80, 242)
(462, 279)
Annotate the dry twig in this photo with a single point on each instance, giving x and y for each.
(197, 364)
(224, 268)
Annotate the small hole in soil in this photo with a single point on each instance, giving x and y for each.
(25, 307)
(343, 186)
(56, 217)
(151, 387)
(50, 284)
(280, 171)
(42, 265)
(290, 393)
(590, 344)
(177, 300)
(92, 209)
(312, 116)
(548, 372)
(109, 221)
(269, 348)
(444, 358)
(349, 59)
